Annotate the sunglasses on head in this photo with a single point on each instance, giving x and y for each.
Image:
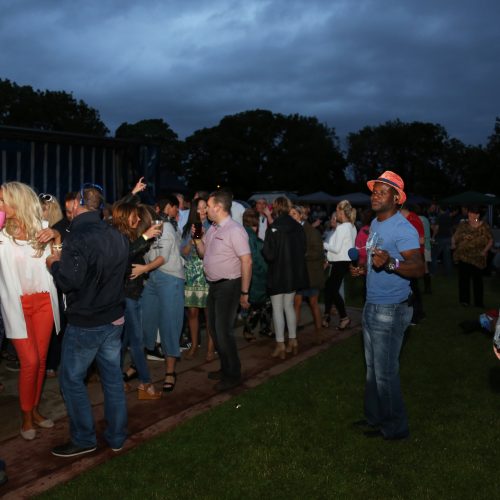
(46, 197)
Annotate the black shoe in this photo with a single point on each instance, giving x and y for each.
(226, 385)
(13, 365)
(378, 433)
(216, 375)
(71, 450)
(156, 354)
(169, 386)
(3, 474)
(127, 377)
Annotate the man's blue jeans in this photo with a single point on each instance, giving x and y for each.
(79, 348)
(384, 326)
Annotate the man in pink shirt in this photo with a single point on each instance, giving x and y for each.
(227, 262)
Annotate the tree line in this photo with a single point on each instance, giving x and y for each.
(259, 150)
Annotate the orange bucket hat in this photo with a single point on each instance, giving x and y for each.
(393, 180)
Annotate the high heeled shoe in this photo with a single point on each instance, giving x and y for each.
(344, 323)
(147, 392)
(326, 321)
(130, 374)
(169, 386)
(292, 347)
(279, 351)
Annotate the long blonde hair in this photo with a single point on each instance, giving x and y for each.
(51, 207)
(26, 204)
(348, 210)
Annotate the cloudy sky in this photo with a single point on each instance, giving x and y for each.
(351, 63)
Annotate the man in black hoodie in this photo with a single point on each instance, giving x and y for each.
(90, 271)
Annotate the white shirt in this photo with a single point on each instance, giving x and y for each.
(20, 274)
(262, 227)
(340, 242)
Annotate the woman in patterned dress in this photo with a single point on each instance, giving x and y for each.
(472, 241)
(196, 287)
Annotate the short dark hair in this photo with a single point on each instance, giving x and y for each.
(72, 195)
(223, 198)
(169, 199)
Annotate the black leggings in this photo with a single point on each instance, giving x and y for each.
(466, 274)
(332, 287)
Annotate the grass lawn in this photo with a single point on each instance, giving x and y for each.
(292, 437)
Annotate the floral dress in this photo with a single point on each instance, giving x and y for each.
(195, 286)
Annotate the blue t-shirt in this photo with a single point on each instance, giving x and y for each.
(394, 235)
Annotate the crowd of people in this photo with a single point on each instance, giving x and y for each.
(94, 288)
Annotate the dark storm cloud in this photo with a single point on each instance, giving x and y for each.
(350, 64)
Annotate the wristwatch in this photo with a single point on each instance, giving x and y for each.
(392, 265)
(243, 293)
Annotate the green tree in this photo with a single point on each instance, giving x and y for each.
(22, 106)
(156, 130)
(416, 151)
(260, 150)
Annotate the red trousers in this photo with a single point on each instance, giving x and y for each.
(32, 351)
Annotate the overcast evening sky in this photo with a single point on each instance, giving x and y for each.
(350, 63)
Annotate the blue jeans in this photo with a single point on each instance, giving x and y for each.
(442, 248)
(79, 349)
(222, 304)
(132, 337)
(163, 309)
(384, 326)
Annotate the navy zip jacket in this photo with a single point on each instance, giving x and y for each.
(91, 272)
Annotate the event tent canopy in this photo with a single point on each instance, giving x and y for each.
(317, 197)
(356, 199)
(270, 196)
(471, 198)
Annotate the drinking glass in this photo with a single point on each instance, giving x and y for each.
(156, 244)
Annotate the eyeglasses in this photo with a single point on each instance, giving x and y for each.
(46, 197)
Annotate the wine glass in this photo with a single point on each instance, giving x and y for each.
(156, 244)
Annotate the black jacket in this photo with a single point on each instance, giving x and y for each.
(134, 288)
(285, 250)
(92, 270)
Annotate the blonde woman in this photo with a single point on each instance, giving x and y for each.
(51, 210)
(337, 247)
(28, 295)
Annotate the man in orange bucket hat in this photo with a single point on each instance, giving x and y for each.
(393, 258)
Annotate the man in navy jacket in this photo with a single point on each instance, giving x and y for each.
(90, 271)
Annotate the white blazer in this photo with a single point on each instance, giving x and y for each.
(340, 242)
(11, 292)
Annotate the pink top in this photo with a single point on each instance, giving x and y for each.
(225, 243)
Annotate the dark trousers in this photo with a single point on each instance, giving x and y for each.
(466, 274)
(418, 306)
(222, 304)
(332, 287)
